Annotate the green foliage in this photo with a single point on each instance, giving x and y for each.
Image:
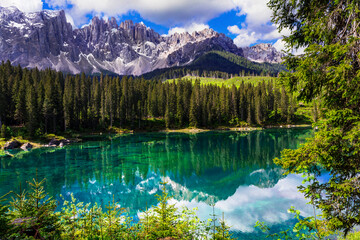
(327, 71)
(33, 214)
(351, 236)
(53, 136)
(333, 149)
(3, 131)
(4, 218)
(305, 228)
(79, 221)
(222, 231)
(165, 220)
(236, 81)
(56, 104)
(217, 64)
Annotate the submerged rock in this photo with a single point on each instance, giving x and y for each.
(12, 145)
(59, 143)
(54, 142)
(26, 146)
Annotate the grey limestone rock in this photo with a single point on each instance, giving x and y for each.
(26, 146)
(263, 52)
(46, 40)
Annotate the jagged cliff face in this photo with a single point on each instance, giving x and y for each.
(263, 52)
(46, 40)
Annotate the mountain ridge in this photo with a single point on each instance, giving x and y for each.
(46, 40)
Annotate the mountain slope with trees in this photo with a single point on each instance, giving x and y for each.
(218, 64)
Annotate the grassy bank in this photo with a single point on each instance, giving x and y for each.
(255, 80)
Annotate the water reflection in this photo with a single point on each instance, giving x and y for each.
(234, 170)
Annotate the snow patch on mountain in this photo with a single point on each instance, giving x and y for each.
(46, 39)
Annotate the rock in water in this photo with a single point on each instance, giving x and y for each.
(26, 146)
(12, 145)
(54, 142)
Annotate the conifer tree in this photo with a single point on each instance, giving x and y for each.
(284, 104)
(3, 102)
(329, 69)
(20, 102)
(32, 109)
(68, 103)
(194, 107)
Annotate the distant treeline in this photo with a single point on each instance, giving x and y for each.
(48, 101)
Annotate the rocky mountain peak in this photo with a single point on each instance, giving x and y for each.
(46, 40)
(263, 52)
(127, 24)
(113, 23)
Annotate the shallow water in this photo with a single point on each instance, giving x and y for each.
(234, 170)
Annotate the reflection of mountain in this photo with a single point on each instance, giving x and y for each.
(203, 166)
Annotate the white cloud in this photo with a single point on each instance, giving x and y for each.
(245, 38)
(275, 34)
(56, 3)
(280, 45)
(70, 20)
(194, 27)
(234, 29)
(256, 11)
(257, 24)
(164, 12)
(180, 15)
(25, 6)
(299, 51)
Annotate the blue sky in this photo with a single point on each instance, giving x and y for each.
(245, 21)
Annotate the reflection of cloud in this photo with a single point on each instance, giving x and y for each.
(250, 204)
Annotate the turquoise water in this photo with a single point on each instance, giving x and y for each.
(233, 170)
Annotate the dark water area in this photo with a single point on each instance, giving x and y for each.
(233, 170)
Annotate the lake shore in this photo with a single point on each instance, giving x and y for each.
(199, 130)
(40, 144)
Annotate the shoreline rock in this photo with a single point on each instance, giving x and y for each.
(26, 146)
(13, 144)
(58, 143)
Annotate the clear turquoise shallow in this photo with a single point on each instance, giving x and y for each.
(233, 170)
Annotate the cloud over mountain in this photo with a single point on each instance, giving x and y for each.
(175, 16)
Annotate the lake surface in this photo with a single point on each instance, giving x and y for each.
(233, 170)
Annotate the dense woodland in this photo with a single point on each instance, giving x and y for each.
(47, 101)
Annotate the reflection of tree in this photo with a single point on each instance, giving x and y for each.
(213, 163)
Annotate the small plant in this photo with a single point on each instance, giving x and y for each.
(33, 214)
(165, 221)
(4, 218)
(223, 231)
